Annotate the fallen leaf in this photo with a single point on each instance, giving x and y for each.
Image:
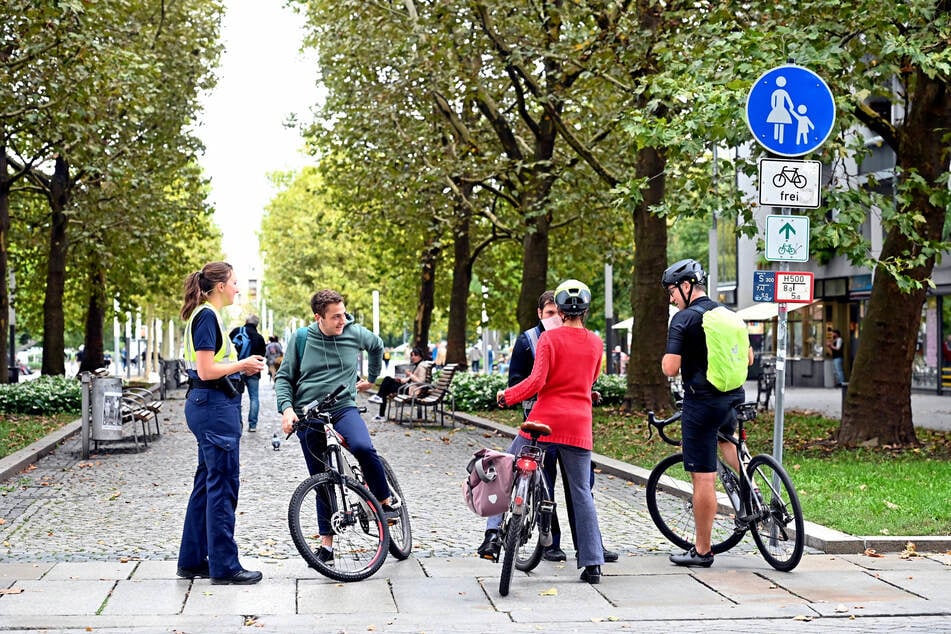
(801, 617)
(841, 608)
(871, 552)
(550, 592)
(891, 505)
(11, 590)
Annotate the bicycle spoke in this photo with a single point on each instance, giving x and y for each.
(779, 528)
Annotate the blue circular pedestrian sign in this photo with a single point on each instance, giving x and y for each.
(790, 110)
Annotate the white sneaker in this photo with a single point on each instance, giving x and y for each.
(379, 419)
(375, 399)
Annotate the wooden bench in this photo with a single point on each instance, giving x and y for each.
(430, 397)
(140, 406)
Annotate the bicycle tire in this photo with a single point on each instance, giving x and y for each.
(509, 546)
(528, 554)
(670, 503)
(361, 538)
(401, 533)
(779, 548)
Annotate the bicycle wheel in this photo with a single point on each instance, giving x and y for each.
(670, 503)
(360, 536)
(512, 533)
(401, 535)
(528, 552)
(779, 534)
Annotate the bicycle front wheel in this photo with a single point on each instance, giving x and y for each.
(513, 530)
(528, 552)
(779, 531)
(351, 515)
(401, 535)
(670, 503)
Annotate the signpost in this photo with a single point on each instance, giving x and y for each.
(787, 238)
(794, 287)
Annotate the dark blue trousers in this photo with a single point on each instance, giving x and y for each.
(208, 533)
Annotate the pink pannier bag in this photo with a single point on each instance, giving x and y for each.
(488, 489)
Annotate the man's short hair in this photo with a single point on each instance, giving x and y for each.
(253, 320)
(548, 297)
(322, 299)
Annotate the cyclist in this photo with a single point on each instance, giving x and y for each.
(705, 409)
(330, 358)
(567, 363)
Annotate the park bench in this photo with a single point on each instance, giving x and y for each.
(140, 406)
(431, 397)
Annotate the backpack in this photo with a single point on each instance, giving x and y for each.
(488, 489)
(242, 342)
(728, 343)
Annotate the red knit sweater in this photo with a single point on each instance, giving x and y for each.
(567, 363)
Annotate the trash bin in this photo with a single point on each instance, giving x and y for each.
(102, 408)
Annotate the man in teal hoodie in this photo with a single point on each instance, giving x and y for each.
(330, 358)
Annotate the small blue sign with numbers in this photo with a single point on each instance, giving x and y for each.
(764, 286)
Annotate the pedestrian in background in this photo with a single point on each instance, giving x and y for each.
(213, 414)
(273, 354)
(258, 348)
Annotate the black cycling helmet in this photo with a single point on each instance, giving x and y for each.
(683, 271)
(573, 297)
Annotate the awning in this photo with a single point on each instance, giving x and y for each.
(764, 311)
(628, 323)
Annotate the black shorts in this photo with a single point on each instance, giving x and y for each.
(701, 420)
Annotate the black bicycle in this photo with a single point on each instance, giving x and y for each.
(531, 507)
(760, 499)
(337, 503)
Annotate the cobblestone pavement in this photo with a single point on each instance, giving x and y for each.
(126, 503)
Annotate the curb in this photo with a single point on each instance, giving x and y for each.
(819, 537)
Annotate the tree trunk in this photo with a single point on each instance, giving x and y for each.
(878, 403)
(427, 292)
(461, 278)
(647, 387)
(53, 318)
(93, 344)
(4, 264)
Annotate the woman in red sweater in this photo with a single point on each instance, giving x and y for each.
(567, 363)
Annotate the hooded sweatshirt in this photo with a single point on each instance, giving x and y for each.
(327, 362)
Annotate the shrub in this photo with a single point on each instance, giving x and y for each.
(476, 392)
(43, 395)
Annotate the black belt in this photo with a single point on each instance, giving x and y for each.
(216, 384)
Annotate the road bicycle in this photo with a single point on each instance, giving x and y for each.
(531, 507)
(362, 531)
(760, 499)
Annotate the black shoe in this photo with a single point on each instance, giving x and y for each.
(198, 572)
(591, 574)
(609, 555)
(490, 547)
(324, 555)
(554, 553)
(692, 558)
(240, 578)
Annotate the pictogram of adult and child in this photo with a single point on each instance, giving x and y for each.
(783, 111)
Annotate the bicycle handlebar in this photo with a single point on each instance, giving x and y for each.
(652, 422)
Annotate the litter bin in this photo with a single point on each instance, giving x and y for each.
(171, 378)
(102, 408)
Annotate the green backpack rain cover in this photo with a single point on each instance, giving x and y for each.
(728, 344)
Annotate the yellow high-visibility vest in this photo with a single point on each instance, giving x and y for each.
(225, 352)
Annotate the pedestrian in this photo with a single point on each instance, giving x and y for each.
(520, 367)
(255, 346)
(475, 357)
(705, 409)
(835, 347)
(413, 378)
(329, 359)
(273, 354)
(213, 414)
(567, 363)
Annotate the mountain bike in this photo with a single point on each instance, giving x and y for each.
(531, 507)
(337, 502)
(760, 499)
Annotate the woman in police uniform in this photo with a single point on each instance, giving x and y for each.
(213, 414)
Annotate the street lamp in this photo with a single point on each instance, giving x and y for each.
(13, 374)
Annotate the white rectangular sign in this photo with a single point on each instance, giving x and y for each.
(789, 183)
(794, 286)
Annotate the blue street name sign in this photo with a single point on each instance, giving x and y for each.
(764, 286)
(790, 110)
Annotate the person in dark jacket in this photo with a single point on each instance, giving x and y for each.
(252, 381)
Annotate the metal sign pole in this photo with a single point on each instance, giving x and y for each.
(781, 337)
